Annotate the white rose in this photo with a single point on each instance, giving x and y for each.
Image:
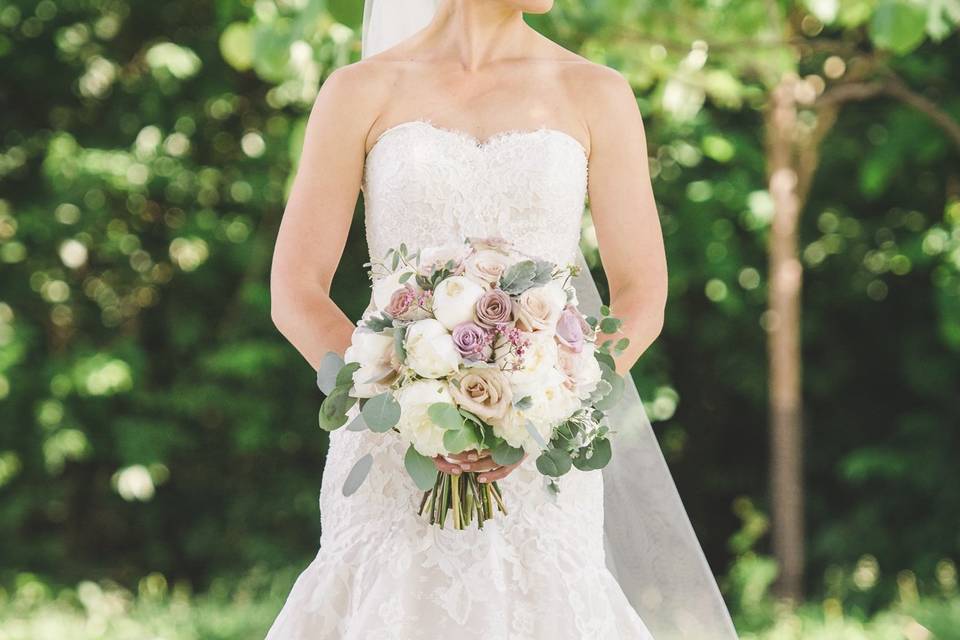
(384, 287)
(431, 352)
(486, 266)
(539, 308)
(581, 369)
(415, 426)
(432, 258)
(454, 300)
(527, 372)
(374, 353)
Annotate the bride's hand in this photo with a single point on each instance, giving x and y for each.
(477, 462)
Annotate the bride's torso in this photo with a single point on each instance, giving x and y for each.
(427, 185)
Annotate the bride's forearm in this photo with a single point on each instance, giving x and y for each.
(642, 317)
(312, 323)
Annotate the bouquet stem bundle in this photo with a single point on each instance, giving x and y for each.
(463, 497)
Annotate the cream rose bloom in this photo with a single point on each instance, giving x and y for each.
(539, 308)
(483, 391)
(486, 266)
(415, 426)
(431, 352)
(454, 300)
(378, 367)
(384, 287)
(582, 371)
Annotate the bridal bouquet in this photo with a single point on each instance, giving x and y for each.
(475, 347)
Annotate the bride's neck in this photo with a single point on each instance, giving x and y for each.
(476, 32)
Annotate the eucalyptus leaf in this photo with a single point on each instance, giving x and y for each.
(594, 457)
(445, 416)
(333, 410)
(523, 403)
(399, 334)
(345, 375)
(330, 366)
(381, 412)
(420, 468)
(616, 382)
(459, 440)
(554, 463)
(532, 430)
(357, 424)
(605, 359)
(357, 475)
(610, 324)
(504, 454)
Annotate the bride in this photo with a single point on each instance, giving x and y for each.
(462, 121)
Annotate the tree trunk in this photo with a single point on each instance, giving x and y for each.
(783, 346)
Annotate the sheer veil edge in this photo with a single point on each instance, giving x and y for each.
(651, 547)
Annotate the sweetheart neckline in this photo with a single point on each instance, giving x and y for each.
(477, 142)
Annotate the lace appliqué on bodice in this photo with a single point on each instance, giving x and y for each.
(425, 185)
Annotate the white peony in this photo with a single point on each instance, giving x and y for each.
(527, 372)
(431, 352)
(384, 287)
(374, 352)
(539, 308)
(549, 406)
(582, 370)
(454, 300)
(415, 426)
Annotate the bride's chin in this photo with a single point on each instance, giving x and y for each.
(532, 6)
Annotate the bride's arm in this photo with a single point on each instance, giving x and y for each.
(624, 213)
(317, 219)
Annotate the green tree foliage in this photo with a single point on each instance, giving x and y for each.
(151, 418)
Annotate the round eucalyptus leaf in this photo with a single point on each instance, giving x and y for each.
(504, 454)
(381, 412)
(357, 475)
(445, 416)
(345, 375)
(553, 463)
(598, 459)
(330, 366)
(333, 410)
(420, 468)
(459, 440)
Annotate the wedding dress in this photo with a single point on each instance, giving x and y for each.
(612, 555)
(538, 572)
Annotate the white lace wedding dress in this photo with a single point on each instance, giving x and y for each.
(537, 573)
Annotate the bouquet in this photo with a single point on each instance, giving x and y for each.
(476, 346)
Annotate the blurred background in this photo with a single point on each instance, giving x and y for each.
(160, 458)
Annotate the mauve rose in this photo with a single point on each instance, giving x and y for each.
(472, 341)
(494, 307)
(400, 301)
(571, 328)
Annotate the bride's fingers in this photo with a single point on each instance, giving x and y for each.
(447, 467)
(483, 464)
(500, 473)
(469, 456)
